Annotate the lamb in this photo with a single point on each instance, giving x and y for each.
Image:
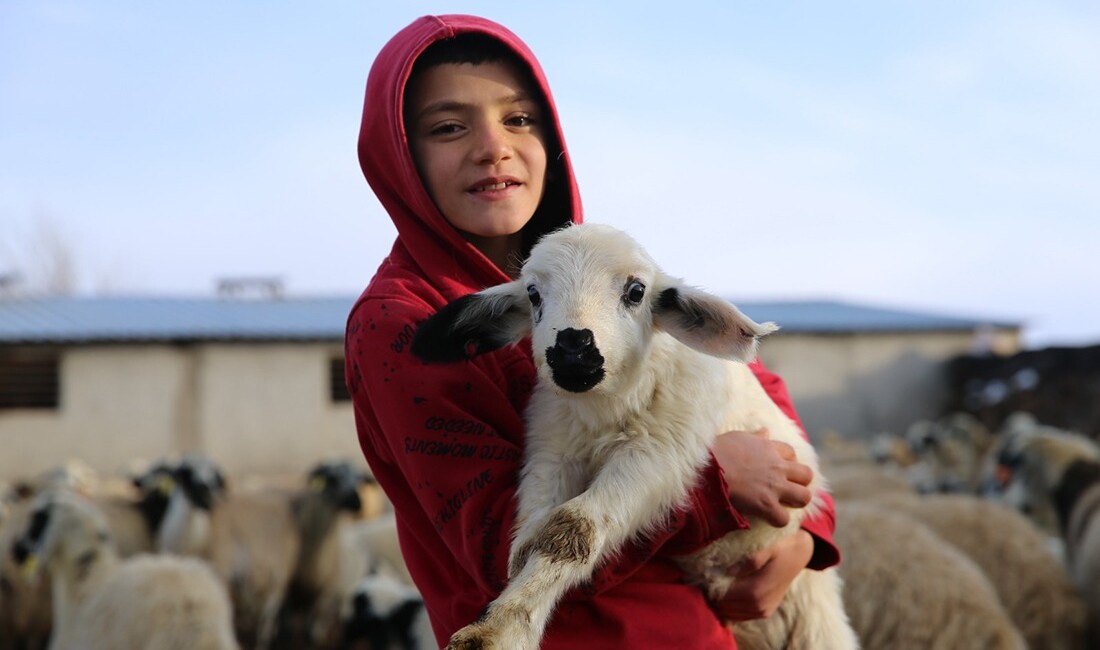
(100, 601)
(906, 589)
(637, 375)
(1061, 470)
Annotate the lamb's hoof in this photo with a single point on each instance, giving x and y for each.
(473, 637)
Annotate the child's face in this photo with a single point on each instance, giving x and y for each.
(476, 134)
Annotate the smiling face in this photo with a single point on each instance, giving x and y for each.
(476, 134)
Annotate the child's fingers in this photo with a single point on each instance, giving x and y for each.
(795, 496)
(799, 473)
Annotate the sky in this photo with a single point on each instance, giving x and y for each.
(936, 156)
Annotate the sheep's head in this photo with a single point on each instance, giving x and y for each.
(591, 298)
(202, 482)
(62, 527)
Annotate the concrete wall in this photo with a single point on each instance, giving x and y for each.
(859, 384)
(267, 408)
(252, 407)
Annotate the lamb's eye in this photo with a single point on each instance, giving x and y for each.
(634, 293)
(533, 295)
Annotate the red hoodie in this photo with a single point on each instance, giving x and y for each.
(445, 441)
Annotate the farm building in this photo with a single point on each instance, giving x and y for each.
(258, 383)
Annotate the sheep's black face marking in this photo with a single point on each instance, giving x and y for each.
(575, 362)
(1078, 478)
(32, 537)
(633, 292)
(198, 492)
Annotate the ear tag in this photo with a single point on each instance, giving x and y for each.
(165, 485)
(30, 565)
(317, 484)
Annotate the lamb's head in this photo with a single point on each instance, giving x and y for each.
(592, 300)
(63, 528)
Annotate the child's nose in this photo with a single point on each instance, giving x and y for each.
(492, 146)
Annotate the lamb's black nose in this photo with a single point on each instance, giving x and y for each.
(572, 341)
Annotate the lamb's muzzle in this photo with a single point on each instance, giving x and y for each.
(575, 361)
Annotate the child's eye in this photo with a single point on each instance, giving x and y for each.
(520, 120)
(447, 128)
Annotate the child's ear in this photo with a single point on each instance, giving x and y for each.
(474, 324)
(708, 323)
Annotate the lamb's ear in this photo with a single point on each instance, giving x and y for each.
(708, 323)
(474, 324)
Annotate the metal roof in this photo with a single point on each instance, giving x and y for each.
(835, 317)
(149, 319)
(163, 319)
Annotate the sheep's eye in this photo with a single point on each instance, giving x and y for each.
(635, 291)
(533, 295)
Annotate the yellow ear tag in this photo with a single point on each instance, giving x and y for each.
(317, 484)
(30, 565)
(165, 485)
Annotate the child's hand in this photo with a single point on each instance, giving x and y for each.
(762, 475)
(763, 580)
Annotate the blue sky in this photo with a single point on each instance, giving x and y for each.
(939, 156)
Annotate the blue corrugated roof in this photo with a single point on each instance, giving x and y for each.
(830, 316)
(146, 319)
(116, 319)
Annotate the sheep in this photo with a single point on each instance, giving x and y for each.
(384, 613)
(637, 375)
(948, 453)
(376, 539)
(1061, 471)
(327, 567)
(133, 519)
(250, 540)
(907, 589)
(25, 610)
(1033, 586)
(854, 480)
(26, 614)
(278, 551)
(101, 601)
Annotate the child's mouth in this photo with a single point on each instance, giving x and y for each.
(494, 187)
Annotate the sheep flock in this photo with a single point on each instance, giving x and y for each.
(953, 536)
(178, 555)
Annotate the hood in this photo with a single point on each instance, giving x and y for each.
(424, 238)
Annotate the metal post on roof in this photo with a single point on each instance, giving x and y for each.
(257, 287)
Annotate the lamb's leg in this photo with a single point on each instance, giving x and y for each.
(547, 482)
(624, 496)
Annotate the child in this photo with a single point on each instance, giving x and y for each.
(461, 143)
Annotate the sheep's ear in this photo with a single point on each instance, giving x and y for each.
(708, 323)
(474, 324)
